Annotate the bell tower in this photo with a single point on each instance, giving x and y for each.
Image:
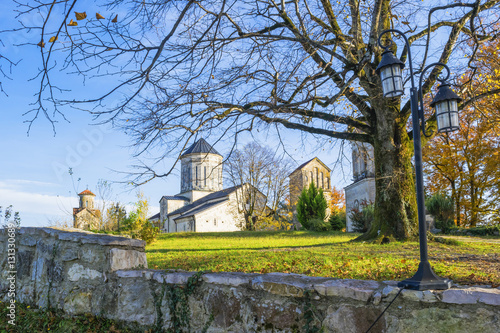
(201, 171)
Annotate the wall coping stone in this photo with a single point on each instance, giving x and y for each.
(85, 237)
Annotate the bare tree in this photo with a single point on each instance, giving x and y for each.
(221, 68)
(265, 173)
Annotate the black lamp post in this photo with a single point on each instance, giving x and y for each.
(446, 105)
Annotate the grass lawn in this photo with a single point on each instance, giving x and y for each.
(322, 254)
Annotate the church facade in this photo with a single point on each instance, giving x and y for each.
(202, 204)
(315, 171)
(86, 216)
(363, 187)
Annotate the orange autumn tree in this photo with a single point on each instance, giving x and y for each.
(466, 162)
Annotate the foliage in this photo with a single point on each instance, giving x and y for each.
(493, 230)
(363, 216)
(337, 220)
(29, 319)
(219, 68)
(270, 223)
(465, 162)
(115, 216)
(9, 218)
(329, 254)
(440, 206)
(136, 224)
(311, 206)
(316, 224)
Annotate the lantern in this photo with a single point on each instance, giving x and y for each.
(446, 105)
(389, 70)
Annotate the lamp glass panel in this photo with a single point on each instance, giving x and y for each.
(392, 82)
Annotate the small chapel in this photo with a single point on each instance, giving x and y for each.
(202, 205)
(86, 216)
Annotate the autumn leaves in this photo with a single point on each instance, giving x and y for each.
(73, 23)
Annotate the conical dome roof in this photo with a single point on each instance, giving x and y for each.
(200, 146)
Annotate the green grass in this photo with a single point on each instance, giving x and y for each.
(321, 254)
(48, 320)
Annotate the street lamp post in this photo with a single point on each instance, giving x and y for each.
(446, 105)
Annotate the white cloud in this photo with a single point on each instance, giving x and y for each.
(30, 205)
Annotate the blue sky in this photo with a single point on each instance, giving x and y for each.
(34, 174)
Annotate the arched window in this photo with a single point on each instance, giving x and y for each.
(317, 176)
(322, 180)
(306, 180)
(327, 182)
(312, 178)
(196, 172)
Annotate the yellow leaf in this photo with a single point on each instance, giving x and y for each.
(109, 49)
(115, 19)
(72, 23)
(41, 44)
(98, 16)
(52, 39)
(213, 77)
(80, 16)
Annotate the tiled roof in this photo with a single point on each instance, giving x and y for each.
(201, 208)
(200, 146)
(175, 197)
(198, 203)
(155, 217)
(86, 192)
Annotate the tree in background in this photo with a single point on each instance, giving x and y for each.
(266, 174)
(440, 206)
(9, 217)
(338, 215)
(466, 162)
(311, 208)
(136, 224)
(170, 71)
(115, 215)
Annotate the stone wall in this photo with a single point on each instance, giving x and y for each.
(107, 276)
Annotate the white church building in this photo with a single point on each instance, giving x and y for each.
(202, 204)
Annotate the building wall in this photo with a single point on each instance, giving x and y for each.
(313, 171)
(85, 220)
(85, 273)
(201, 172)
(355, 194)
(168, 206)
(220, 218)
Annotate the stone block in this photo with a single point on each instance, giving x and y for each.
(77, 272)
(126, 259)
(350, 319)
(228, 279)
(356, 289)
(77, 302)
(472, 296)
(283, 284)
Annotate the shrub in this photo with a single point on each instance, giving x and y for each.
(316, 224)
(477, 231)
(363, 216)
(337, 220)
(441, 207)
(311, 205)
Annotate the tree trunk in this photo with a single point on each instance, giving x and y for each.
(396, 213)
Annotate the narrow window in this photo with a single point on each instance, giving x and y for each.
(317, 176)
(215, 222)
(205, 175)
(327, 182)
(196, 171)
(311, 174)
(322, 180)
